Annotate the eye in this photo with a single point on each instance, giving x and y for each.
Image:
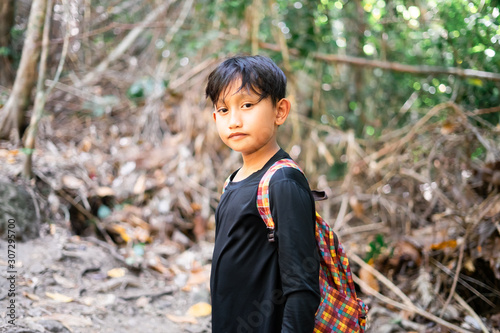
(247, 105)
(221, 110)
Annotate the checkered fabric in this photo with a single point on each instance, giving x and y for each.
(340, 309)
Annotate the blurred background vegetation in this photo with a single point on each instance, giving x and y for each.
(369, 66)
(359, 87)
(396, 111)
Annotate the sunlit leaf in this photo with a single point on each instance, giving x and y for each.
(117, 272)
(182, 319)
(200, 310)
(59, 297)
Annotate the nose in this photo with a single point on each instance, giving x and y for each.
(235, 119)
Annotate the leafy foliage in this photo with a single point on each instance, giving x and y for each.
(462, 34)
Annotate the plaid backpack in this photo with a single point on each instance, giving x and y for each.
(340, 310)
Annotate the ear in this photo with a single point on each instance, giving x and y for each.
(282, 111)
(214, 115)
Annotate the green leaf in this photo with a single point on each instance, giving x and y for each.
(27, 151)
(4, 51)
(144, 87)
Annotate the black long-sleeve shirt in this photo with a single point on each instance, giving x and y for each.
(258, 286)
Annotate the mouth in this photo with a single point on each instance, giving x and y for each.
(236, 135)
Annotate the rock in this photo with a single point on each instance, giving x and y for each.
(17, 208)
(54, 326)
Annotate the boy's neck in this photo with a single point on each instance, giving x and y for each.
(254, 162)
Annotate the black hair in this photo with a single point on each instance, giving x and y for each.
(257, 73)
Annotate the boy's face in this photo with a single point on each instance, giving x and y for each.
(246, 124)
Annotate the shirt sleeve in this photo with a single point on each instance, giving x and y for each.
(293, 211)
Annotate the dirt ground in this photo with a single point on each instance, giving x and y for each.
(68, 284)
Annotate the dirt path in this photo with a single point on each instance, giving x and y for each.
(67, 284)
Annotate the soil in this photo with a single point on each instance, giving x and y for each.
(65, 283)
(70, 284)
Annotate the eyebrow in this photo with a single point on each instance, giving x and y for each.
(242, 92)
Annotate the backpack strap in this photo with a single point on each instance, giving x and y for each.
(335, 273)
(263, 194)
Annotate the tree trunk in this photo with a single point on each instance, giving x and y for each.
(12, 115)
(6, 23)
(41, 93)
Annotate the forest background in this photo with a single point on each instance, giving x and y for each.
(106, 133)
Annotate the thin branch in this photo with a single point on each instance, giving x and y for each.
(455, 278)
(478, 214)
(471, 311)
(207, 63)
(393, 66)
(407, 303)
(111, 26)
(78, 207)
(342, 212)
(462, 281)
(485, 111)
(378, 226)
(406, 300)
(393, 146)
(64, 53)
(256, 12)
(162, 67)
(125, 43)
(405, 307)
(179, 22)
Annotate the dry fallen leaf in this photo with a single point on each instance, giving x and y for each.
(140, 185)
(32, 297)
(142, 235)
(469, 265)
(448, 243)
(196, 277)
(494, 209)
(182, 319)
(120, 230)
(64, 282)
(4, 153)
(72, 182)
(117, 272)
(155, 263)
(52, 229)
(69, 320)
(200, 226)
(369, 279)
(201, 309)
(160, 177)
(448, 127)
(104, 191)
(405, 251)
(356, 206)
(59, 297)
(142, 302)
(86, 144)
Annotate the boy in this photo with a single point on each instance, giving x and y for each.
(258, 285)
